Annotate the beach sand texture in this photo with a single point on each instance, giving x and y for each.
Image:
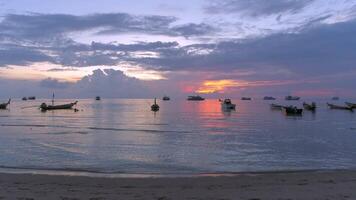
(313, 185)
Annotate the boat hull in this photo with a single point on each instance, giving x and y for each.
(228, 106)
(332, 106)
(45, 107)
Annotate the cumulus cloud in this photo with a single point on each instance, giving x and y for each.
(54, 84)
(110, 83)
(255, 8)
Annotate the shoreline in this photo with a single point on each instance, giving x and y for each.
(292, 185)
(100, 174)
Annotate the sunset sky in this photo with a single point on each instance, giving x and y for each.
(147, 48)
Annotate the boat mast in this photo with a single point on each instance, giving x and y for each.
(53, 99)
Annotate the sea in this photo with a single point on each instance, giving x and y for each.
(123, 136)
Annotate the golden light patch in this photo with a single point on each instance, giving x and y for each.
(221, 86)
(213, 86)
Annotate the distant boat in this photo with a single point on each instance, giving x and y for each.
(276, 106)
(195, 98)
(246, 99)
(227, 104)
(311, 107)
(98, 98)
(24, 98)
(333, 106)
(32, 98)
(45, 107)
(166, 98)
(335, 98)
(155, 106)
(292, 98)
(292, 110)
(3, 106)
(351, 105)
(268, 98)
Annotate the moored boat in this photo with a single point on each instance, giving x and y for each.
(98, 98)
(155, 106)
(24, 98)
(351, 105)
(195, 98)
(333, 106)
(45, 107)
(32, 98)
(3, 106)
(246, 98)
(276, 106)
(166, 98)
(311, 107)
(292, 110)
(292, 98)
(226, 104)
(268, 98)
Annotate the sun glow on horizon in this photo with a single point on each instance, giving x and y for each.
(222, 86)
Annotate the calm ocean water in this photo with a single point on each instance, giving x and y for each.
(124, 136)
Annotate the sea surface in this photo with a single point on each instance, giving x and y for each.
(184, 137)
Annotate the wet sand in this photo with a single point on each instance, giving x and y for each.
(316, 185)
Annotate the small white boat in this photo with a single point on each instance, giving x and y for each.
(227, 104)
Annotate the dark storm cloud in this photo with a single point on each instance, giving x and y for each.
(255, 7)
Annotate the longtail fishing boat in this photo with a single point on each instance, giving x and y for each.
(45, 107)
(3, 106)
(332, 106)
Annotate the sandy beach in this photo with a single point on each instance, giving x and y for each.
(316, 185)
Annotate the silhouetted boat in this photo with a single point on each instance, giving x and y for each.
(268, 98)
(311, 107)
(292, 98)
(335, 98)
(276, 106)
(332, 106)
(292, 110)
(246, 99)
(32, 98)
(351, 105)
(24, 98)
(166, 98)
(3, 106)
(155, 106)
(98, 98)
(227, 104)
(45, 107)
(195, 98)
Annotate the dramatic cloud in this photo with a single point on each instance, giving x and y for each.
(320, 49)
(256, 8)
(48, 26)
